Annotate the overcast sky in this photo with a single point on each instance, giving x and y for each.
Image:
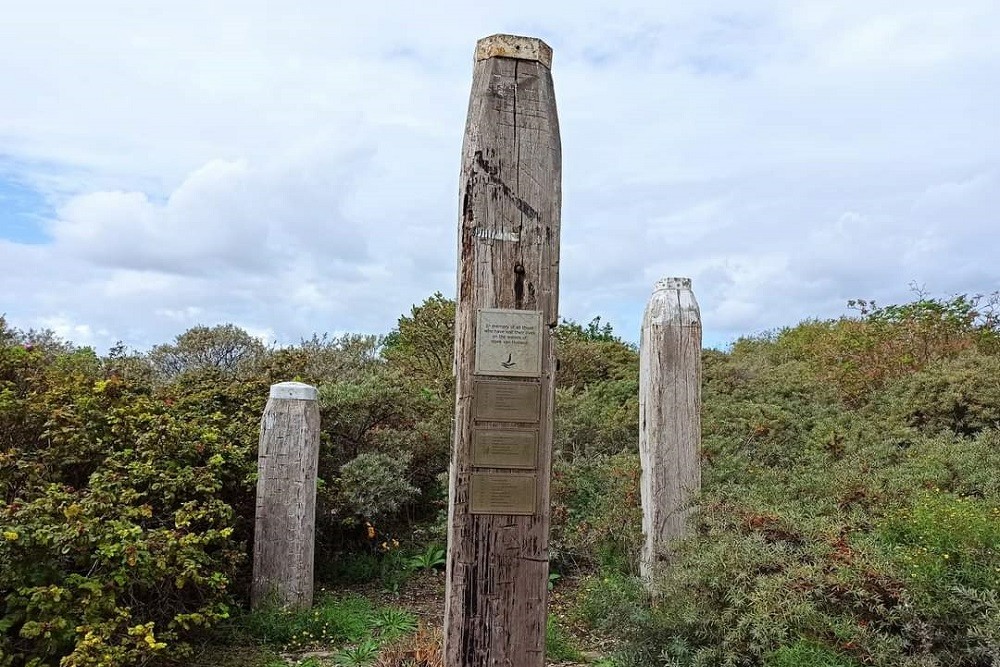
(292, 167)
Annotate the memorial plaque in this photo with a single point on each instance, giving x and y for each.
(505, 448)
(506, 401)
(498, 493)
(509, 342)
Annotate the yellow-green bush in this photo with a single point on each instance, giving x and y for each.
(115, 541)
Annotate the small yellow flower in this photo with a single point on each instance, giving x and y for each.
(10, 536)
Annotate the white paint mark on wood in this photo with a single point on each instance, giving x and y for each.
(496, 235)
(669, 416)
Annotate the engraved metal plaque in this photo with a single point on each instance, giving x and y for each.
(509, 343)
(510, 493)
(506, 401)
(505, 448)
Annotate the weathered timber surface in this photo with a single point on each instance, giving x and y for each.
(287, 459)
(669, 415)
(510, 196)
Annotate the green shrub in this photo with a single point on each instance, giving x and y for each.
(559, 644)
(807, 654)
(945, 540)
(601, 419)
(596, 513)
(119, 541)
(373, 485)
(959, 396)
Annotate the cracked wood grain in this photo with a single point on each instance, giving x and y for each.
(510, 195)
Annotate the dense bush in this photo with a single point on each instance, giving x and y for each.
(596, 518)
(116, 540)
(850, 502)
(849, 514)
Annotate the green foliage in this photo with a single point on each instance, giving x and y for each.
(432, 558)
(363, 653)
(351, 622)
(848, 513)
(848, 516)
(959, 395)
(943, 541)
(559, 644)
(861, 355)
(374, 485)
(117, 543)
(384, 413)
(596, 516)
(388, 567)
(332, 620)
(592, 354)
(347, 357)
(805, 653)
(225, 349)
(611, 601)
(422, 345)
(390, 624)
(600, 419)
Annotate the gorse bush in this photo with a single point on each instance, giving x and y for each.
(850, 496)
(595, 514)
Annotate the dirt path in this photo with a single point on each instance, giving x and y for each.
(423, 596)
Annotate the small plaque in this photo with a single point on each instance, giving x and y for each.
(506, 401)
(510, 493)
(505, 448)
(509, 343)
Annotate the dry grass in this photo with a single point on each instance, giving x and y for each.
(421, 649)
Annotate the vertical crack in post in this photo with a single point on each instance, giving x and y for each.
(519, 279)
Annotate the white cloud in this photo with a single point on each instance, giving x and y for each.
(295, 170)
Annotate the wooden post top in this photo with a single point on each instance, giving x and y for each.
(514, 46)
(293, 390)
(672, 283)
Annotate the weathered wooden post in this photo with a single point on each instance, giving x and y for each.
(508, 286)
(669, 415)
(286, 497)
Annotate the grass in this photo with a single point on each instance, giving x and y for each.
(559, 644)
(352, 624)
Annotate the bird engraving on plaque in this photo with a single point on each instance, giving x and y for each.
(509, 342)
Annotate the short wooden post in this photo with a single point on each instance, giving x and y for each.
(504, 360)
(287, 459)
(669, 415)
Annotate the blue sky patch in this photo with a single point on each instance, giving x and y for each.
(23, 211)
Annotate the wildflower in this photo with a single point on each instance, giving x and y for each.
(10, 535)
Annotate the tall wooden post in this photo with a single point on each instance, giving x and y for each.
(508, 286)
(669, 415)
(287, 459)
